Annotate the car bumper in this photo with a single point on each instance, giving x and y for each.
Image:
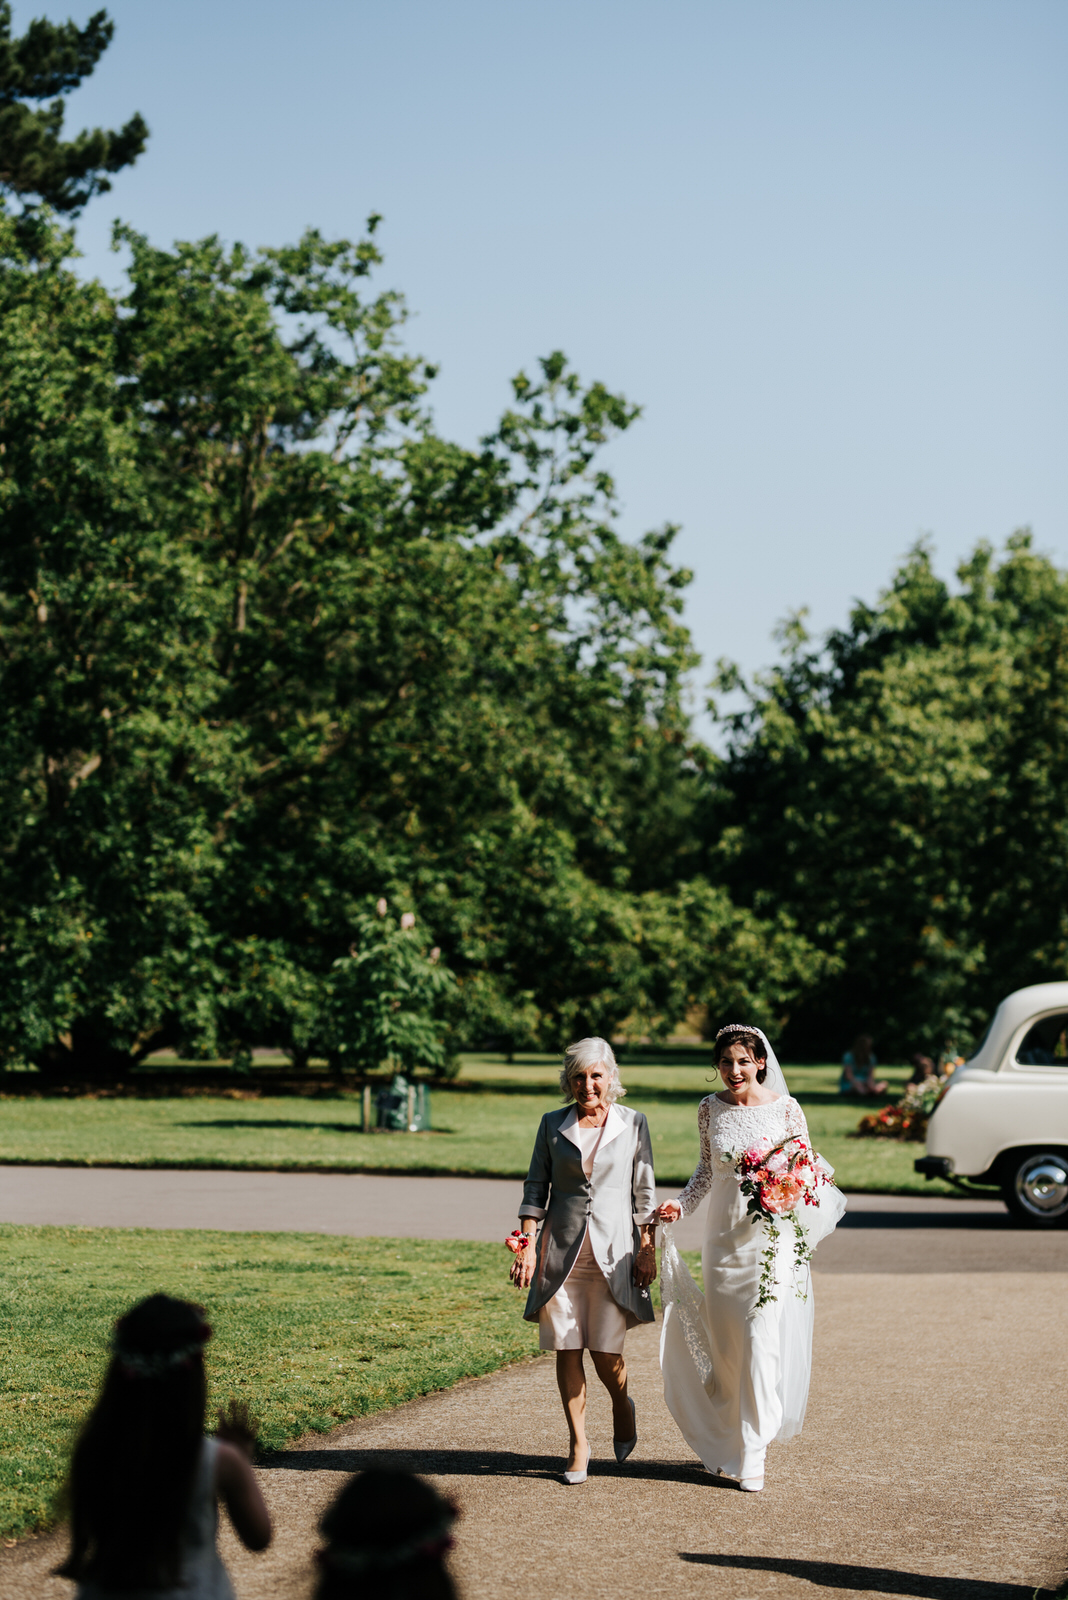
(933, 1166)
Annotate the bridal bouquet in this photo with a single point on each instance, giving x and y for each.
(777, 1181)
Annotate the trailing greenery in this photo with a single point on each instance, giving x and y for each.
(483, 1130)
(898, 791)
(310, 1330)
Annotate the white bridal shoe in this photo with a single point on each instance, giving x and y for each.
(751, 1485)
(623, 1447)
(580, 1477)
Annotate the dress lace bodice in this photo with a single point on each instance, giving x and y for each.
(725, 1127)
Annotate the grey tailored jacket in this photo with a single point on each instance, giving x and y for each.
(614, 1203)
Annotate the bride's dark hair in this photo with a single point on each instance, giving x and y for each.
(733, 1033)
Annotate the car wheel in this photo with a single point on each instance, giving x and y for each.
(1035, 1188)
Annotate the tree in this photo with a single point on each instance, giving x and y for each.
(898, 793)
(270, 646)
(107, 941)
(35, 161)
(386, 997)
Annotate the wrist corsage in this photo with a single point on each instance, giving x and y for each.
(517, 1241)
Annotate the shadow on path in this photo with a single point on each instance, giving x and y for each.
(971, 1221)
(486, 1464)
(883, 1580)
(297, 1124)
(257, 1124)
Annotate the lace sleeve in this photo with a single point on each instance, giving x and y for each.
(701, 1182)
(796, 1126)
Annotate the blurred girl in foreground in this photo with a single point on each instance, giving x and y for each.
(144, 1479)
(387, 1534)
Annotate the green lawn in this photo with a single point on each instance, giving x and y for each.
(310, 1329)
(482, 1124)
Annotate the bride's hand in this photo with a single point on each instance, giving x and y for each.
(670, 1211)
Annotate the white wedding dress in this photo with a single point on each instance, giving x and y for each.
(735, 1380)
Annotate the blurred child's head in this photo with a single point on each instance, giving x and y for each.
(133, 1466)
(387, 1534)
(161, 1338)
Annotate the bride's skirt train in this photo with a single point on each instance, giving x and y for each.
(736, 1381)
(733, 1382)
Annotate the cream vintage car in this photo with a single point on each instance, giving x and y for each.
(1002, 1121)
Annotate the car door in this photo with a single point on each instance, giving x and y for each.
(1033, 1084)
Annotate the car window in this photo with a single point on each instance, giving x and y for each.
(1045, 1044)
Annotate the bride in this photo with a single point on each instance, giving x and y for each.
(736, 1376)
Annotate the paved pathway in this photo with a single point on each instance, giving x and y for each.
(881, 1233)
(932, 1462)
(932, 1465)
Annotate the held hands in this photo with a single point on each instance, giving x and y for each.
(670, 1211)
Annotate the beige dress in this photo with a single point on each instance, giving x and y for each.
(582, 1315)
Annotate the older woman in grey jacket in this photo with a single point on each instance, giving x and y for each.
(591, 1187)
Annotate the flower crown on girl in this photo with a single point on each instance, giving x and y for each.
(434, 1541)
(157, 1363)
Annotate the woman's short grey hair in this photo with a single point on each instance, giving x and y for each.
(590, 1053)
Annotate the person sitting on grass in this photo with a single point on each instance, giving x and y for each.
(387, 1535)
(858, 1070)
(144, 1479)
(923, 1070)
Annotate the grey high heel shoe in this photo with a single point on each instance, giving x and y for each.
(623, 1447)
(580, 1477)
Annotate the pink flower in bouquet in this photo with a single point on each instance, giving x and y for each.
(778, 1162)
(755, 1156)
(782, 1194)
(774, 1198)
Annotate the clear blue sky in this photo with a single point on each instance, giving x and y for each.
(824, 244)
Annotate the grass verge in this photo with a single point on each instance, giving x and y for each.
(312, 1330)
(483, 1125)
